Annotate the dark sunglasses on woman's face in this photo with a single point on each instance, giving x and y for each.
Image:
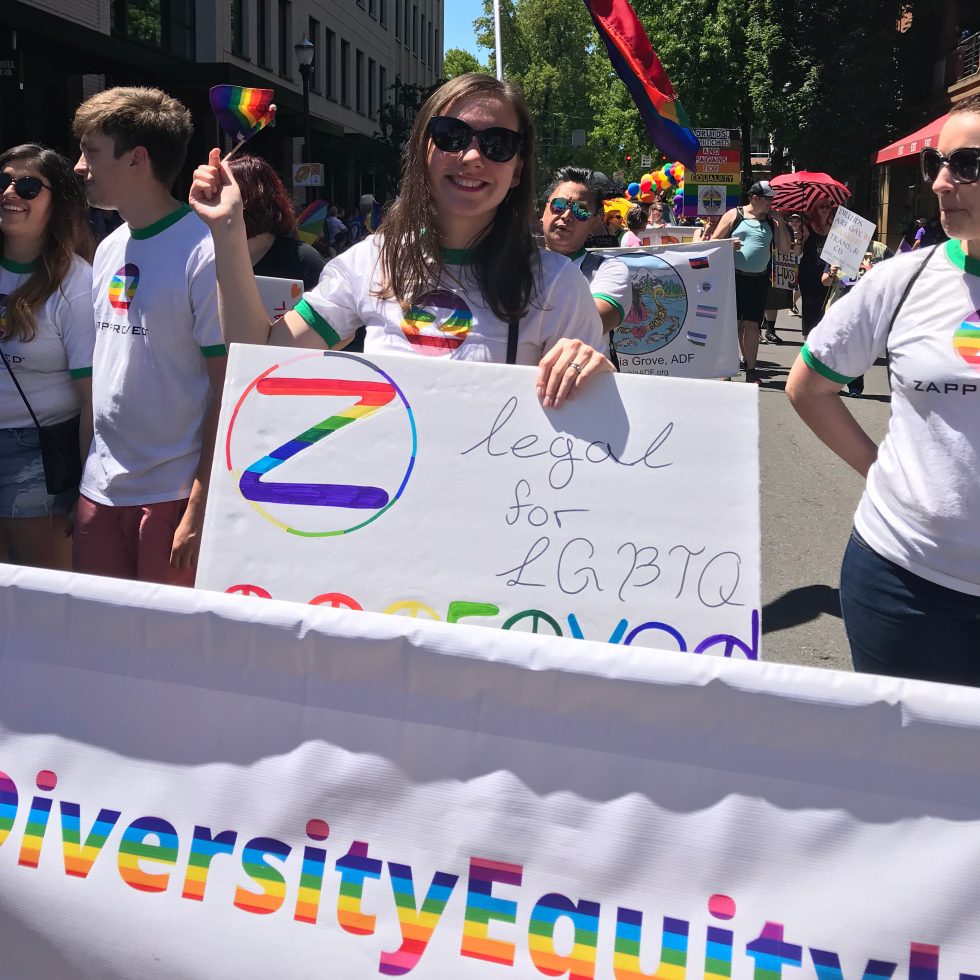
(964, 164)
(25, 187)
(452, 135)
(559, 205)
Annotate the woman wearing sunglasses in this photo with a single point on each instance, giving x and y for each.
(454, 272)
(48, 333)
(910, 581)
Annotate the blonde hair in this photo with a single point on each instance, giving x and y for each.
(134, 116)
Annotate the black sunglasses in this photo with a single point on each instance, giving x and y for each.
(452, 135)
(559, 205)
(964, 164)
(26, 188)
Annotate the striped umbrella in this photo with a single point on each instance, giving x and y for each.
(802, 190)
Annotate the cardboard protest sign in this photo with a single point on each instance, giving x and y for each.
(444, 490)
(713, 186)
(681, 322)
(197, 786)
(847, 242)
(784, 270)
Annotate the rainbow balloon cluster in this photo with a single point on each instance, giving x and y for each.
(649, 185)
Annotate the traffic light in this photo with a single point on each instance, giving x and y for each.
(629, 159)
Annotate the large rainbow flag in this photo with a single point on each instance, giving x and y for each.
(242, 112)
(638, 66)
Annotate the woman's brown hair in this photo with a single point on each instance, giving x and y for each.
(66, 236)
(504, 261)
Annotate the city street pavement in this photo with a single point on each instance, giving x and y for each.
(808, 500)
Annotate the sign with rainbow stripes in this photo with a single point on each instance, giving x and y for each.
(196, 785)
(357, 483)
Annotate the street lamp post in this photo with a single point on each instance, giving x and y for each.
(304, 57)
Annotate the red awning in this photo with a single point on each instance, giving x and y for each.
(913, 144)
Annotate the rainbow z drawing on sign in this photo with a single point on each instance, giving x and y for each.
(261, 481)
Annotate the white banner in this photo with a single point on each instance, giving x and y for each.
(847, 242)
(668, 235)
(197, 786)
(444, 490)
(682, 320)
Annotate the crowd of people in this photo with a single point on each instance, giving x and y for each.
(114, 357)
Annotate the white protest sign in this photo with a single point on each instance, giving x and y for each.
(847, 242)
(198, 786)
(307, 175)
(279, 296)
(444, 490)
(784, 270)
(712, 199)
(681, 322)
(668, 235)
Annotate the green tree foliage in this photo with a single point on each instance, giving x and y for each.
(458, 62)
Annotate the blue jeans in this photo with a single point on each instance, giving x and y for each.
(900, 625)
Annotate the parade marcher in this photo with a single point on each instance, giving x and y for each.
(636, 221)
(367, 220)
(703, 232)
(46, 342)
(813, 293)
(656, 214)
(270, 225)
(756, 233)
(459, 238)
(839, 287)
(614, 225)
(910, 580)
(159, 361)
(572, 201)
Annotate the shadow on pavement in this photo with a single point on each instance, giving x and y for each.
(800, 606)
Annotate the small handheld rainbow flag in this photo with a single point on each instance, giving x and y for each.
(638, 66)
(242, 112)
(309, 224)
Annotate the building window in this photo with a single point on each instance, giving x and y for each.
(398, 19)
(262, 32)
(373, 8)
(329, 49)
(383, 12)
(408, 24)
(432, 47)
(359, 82)
(382, 85)
(284, 33)
(438, 55)
(423, 35)
(238, 27)
(345, 73)
(415, 28)
(316, 76)
(372, 94)
(164, 24)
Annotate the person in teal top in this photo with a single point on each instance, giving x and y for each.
(754, 232)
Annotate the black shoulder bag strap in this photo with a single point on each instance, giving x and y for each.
(512, 325)
(13, 377)
(898, 308)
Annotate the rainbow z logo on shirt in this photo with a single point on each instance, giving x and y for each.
(122, 287)
(356, 392)
(437, 322)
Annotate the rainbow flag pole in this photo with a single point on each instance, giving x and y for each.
(242, 112)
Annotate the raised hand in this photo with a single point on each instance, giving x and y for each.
(214, 195)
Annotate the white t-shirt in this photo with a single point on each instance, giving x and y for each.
(60, 352)
(449, 319)
(156, 317)
(922, 500)
(610, 280)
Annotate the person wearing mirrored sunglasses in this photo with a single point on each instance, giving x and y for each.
(47, 339)
(454, 264)
(910, 579)
(572, 211)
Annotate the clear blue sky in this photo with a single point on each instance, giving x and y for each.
(459, 17)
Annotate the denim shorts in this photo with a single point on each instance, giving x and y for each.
(22, 490)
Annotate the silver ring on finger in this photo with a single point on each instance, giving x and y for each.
(577, 368)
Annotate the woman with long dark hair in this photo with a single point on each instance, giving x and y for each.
(458, 239)
(46, 344)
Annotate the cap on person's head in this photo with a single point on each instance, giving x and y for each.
(367, 201)
(762, 188)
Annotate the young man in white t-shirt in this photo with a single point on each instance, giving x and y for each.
(159, 359)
